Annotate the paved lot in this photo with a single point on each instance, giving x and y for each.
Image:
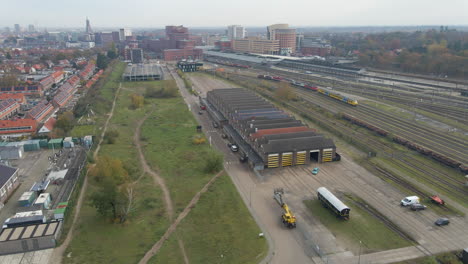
(34, 257)
(300, 245)
(32, 168)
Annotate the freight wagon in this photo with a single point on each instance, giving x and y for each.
(330, 201)
(338, 96)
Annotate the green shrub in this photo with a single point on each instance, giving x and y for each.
(213, 162)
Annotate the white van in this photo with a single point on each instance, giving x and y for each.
(410, 200)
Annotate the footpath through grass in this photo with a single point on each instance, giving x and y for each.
(374, 235)
(97, 240)
(218, 230)
(167, 143)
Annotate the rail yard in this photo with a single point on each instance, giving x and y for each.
(402, 155)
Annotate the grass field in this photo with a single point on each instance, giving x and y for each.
(218, 230)
(443, 258)
(360, 227)
(97, 240)
(169, 150)
(167, 140)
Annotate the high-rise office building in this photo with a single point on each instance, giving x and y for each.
(271, 30)
(235, 32)
(89, 30)
(17, 28)
(286, 37)
(124, 33)
(31, 28)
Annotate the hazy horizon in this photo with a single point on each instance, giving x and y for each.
(212, 14)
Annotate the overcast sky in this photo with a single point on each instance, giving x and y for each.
(219, 13)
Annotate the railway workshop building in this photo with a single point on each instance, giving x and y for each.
(268, 136)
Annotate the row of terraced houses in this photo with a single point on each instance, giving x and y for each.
(11, 100)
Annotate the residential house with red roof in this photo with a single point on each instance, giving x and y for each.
(40, 111)
(48, 126)
(8, 108)
(18, 126)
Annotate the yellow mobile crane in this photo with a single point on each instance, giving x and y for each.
(287, 217)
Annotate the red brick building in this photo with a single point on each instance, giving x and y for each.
(18, 97)
(223, 45)
(17, 126)
(179, 54)
(316, 51)
(177, 33)
(178, 44)
(287, 40)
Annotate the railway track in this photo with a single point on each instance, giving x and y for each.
(441, 105)
(406, 184)
(392, 226)
(449, 184)
(452, 185)
(351, 83)
(449, 145)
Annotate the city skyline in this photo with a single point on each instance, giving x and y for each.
(209, 13)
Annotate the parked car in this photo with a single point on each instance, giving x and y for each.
(234, 148)
(224, 136)
(418, 207)
(243, 158)
(442, 222)
(200, 112)
(215, 125)
(315, 171)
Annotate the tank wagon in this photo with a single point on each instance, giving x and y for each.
(329, 200)
(338, 96)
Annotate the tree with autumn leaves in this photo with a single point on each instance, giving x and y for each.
(114, 195)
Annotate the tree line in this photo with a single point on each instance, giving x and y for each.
(441, 52)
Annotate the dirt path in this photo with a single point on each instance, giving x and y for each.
(182, 248)
(144, 164)
(58, 252)
(156, 247)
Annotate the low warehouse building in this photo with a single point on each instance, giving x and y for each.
(143, 72)
(278, 139)
(8, 182)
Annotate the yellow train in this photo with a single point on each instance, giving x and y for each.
(338, 96)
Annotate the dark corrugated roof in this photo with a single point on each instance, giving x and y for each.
(278, 125)
(255, 115)
(270, 121)
(250, 110)
(297, 144)
(5, 174)
(267, 138)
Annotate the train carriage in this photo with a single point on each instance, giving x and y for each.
(330, 201)
(338, 96)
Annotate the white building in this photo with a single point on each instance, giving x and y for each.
(124, 33)
(236, 32)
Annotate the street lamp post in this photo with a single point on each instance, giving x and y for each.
(359, 259)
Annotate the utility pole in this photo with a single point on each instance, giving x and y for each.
(359, 259)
